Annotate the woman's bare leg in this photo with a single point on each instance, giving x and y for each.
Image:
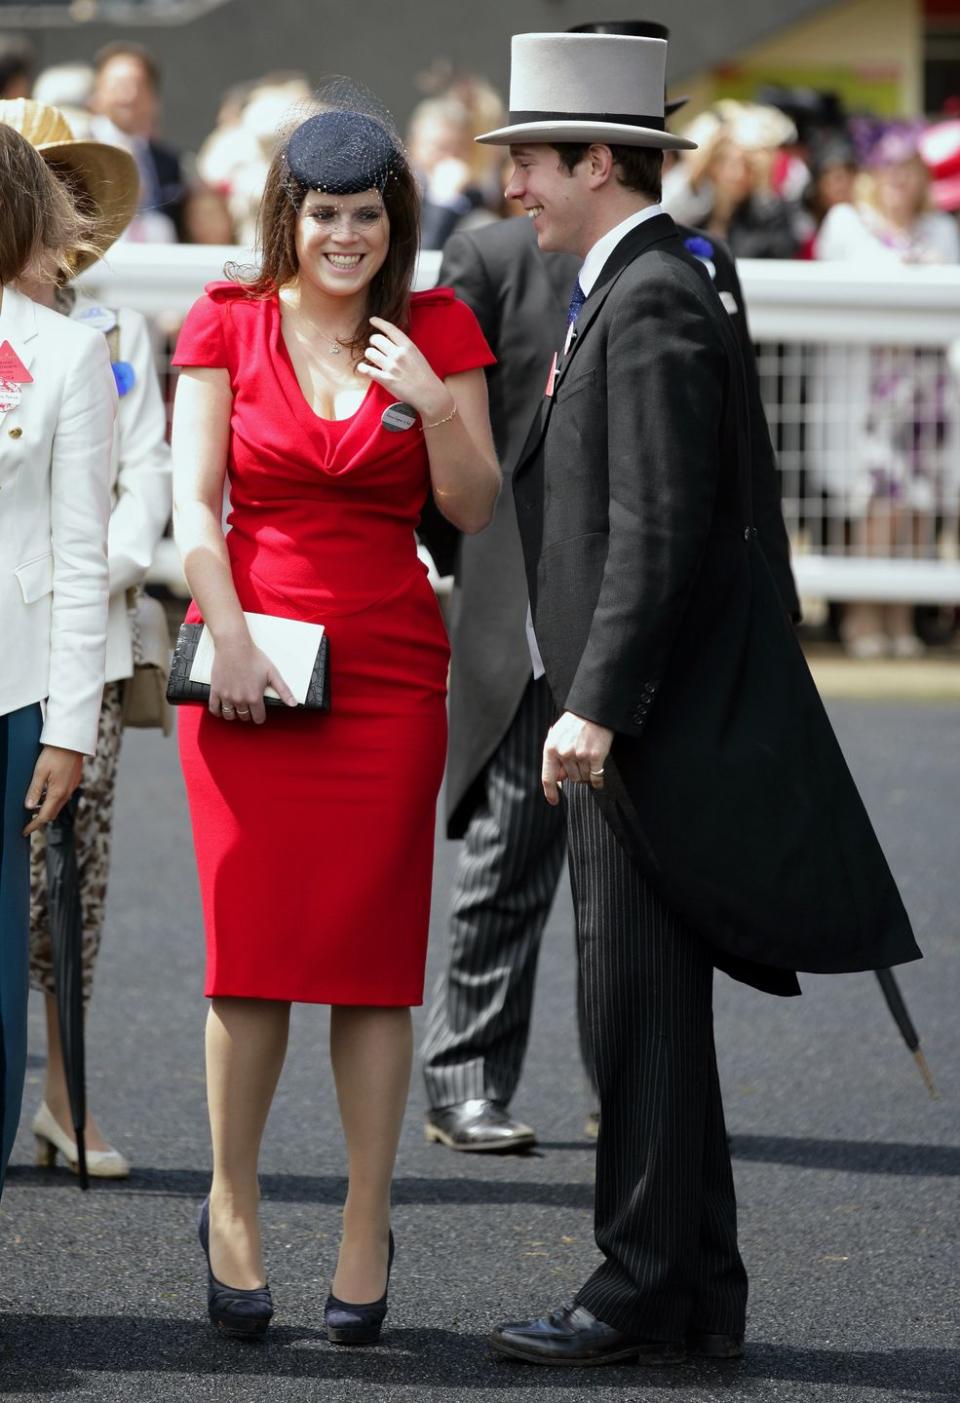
(246, 1043)
(371, 1050)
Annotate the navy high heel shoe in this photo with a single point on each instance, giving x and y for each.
(357, 1325)
(243, 1314)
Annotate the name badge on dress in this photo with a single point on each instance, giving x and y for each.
(398, 417)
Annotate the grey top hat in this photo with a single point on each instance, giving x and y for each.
(587, 87)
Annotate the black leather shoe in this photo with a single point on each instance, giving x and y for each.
(482, 1126)
(715, 1346)
(571, 1335)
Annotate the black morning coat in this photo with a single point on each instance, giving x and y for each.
(520, 297)
(657, 616)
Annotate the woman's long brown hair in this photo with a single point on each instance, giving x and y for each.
(40, 225)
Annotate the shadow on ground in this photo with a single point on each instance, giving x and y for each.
(51, 1354)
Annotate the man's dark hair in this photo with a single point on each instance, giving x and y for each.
(127, 48)
(18, 59)
(639, 168)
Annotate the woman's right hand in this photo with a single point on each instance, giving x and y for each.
(55, 777)
(238, 680)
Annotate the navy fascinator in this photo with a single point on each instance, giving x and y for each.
(343, 153)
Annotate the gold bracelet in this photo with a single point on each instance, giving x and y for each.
(445, 420)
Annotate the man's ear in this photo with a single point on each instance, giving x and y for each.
(600, 166)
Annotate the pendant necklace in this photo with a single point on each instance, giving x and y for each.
(333, 346)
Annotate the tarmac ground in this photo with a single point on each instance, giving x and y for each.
(847, 1172)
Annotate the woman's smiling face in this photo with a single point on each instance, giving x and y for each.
(342, 240)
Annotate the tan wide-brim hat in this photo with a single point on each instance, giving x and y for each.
(108, 174)
(587, 87)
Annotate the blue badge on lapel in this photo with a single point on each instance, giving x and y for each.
(124, 375)
(703, 249)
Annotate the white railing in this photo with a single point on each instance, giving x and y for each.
(860, 375)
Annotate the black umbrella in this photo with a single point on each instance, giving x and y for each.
(66, 932)
(894, 998)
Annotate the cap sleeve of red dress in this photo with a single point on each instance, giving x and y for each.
(202, 341)
(447, 332)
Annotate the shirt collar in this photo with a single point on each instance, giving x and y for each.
(602, 249)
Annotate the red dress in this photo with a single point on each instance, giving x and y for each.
(314, 832)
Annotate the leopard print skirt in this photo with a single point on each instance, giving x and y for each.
(93, 829)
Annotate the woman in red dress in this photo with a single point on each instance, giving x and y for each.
(314, 831)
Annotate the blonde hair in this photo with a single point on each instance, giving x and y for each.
(41, 228)
(869, 192)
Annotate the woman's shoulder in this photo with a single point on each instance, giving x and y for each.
(438, 310)
(223, 296)
(223, 290)
(447, 331)
(431, 301)
(224, 316)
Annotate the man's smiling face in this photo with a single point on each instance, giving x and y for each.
(551, 196)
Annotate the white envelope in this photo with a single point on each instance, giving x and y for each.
(290, 644)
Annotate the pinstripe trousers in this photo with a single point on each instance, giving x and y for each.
(509, 867)
(665, 1209)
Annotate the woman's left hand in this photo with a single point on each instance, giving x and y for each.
(394, 362)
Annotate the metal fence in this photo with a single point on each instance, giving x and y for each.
(860, 377)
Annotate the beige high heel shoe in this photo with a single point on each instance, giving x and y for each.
(52, 1139)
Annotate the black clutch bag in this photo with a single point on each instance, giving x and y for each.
(299, 650)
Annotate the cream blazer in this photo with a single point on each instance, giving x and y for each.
(54, 513)
(140, 480)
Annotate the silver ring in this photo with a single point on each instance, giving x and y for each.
(225, 707)
(596, 772)
(242, 710)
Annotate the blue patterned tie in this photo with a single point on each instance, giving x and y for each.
(576, 302)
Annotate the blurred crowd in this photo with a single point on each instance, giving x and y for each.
(791, 175)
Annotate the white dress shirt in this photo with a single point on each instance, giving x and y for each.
(589, 273)
(602, 249)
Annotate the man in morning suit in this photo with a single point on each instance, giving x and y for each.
(711, 818)
(512, 855)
